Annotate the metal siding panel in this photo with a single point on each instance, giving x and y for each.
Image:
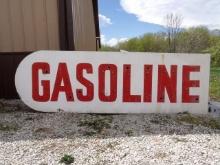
(79, 24)
(40, 20)
(76, 24)
(96, 19)
(52, 24)
(29, 26)
(5, 30)
(84, 25)
(90, 27)
(17, 25)
(62, 25)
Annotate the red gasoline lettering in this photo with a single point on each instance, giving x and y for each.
(166, 83)
(113, 82)
(89, 85)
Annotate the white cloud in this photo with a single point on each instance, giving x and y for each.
(112, 41)
(103, 39)
(194, 12)
(104, 21)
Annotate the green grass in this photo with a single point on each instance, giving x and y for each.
(215, 84)
(198, 120)
(67, 159)
(8, 127)
(129, 133)
(96, 123)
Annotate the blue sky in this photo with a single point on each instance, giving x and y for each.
(122, 24)
(123, 19)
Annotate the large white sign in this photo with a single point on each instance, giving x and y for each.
(107, 82)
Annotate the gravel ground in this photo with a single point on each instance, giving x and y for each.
(28, 137)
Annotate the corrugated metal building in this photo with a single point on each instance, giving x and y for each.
(30, 25)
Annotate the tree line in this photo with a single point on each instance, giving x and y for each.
(175, 40)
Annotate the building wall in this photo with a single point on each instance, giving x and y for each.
(28, 25)
(84, 31)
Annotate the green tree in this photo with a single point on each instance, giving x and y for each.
(193, 40)
(147, 43)
(173, 26)
(132, 45)
(215, 54)
(108, 48)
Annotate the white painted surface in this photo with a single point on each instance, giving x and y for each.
(23, 81)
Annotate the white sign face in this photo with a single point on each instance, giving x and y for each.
(107, 82)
